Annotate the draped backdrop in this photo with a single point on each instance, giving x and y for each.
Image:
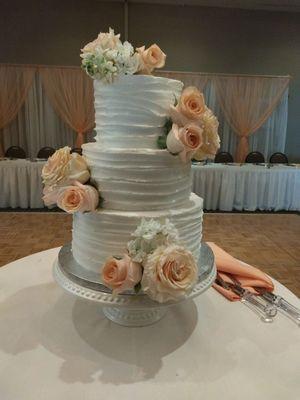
(53, 106)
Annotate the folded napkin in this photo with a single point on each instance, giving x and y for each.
(248, 276)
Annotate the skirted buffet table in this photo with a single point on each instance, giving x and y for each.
(223, 187)
(247, 187)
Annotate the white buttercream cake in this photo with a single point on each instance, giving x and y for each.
(134, 177)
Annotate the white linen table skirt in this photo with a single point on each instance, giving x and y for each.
(21, 184)
(56, 346)
(247, 187)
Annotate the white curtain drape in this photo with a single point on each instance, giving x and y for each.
(15, 81)
(71, 94)
(38, 125)
(247, 102)
(268, 139)
(188, 78)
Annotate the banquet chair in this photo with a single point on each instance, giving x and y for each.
(77, 150)
(255, 157)
(223, 157)
(15, 152)
(279, 158)
(45, 152)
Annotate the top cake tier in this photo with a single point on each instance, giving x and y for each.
(132, 111)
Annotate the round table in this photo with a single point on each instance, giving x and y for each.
(56, 346)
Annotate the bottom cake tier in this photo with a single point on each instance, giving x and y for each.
(97, 236)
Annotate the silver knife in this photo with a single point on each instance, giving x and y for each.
(266, 313)
(270, 311)
(282, 304)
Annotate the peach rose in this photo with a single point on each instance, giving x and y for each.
(191, 103)
(184, 141)
(77, 169)
(108, 40)
(104, 41)
(90, 47)
(211, 139)
(50, 195)
(191, 106)
(78, 198)
(169, 273)
(150, 58)
(63, 167)
(54, 171)
(121, 275)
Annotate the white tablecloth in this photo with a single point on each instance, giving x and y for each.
(55, 346)
(247, 187)
(21, 184)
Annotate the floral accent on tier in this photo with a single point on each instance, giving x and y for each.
(120, 274)
(63, 167)
(156, 263)
(150, 58)
(149, 235)
(170, 272)
(184, 141)
(194, 131)
(63, 176)
(106, 58)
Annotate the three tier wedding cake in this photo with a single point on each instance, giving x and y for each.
(135, 221)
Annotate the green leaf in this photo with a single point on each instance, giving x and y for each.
(168, 126)
(175, 101)
(138, 287)
(162, 142)
(101, 201)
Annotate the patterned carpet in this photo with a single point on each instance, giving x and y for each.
(270, 241)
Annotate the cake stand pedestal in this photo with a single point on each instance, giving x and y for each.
(128, 308)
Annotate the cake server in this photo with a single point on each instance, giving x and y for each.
(266, 313)
(282, 305)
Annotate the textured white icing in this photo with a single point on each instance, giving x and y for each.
(133, 176)
(97, 236)
(138, 179)
(131, 112)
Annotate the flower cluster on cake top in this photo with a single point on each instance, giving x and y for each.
(106, 58)
(155, 262)
(192, 129)
(66, 183)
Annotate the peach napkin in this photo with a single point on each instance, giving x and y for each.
(248, 276)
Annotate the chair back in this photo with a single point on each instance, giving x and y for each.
(15, 152)
(223, 157)
(77, 150)
(45, 152)
(279, 158)
(255, 157)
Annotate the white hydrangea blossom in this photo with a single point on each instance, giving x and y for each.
(149, 235)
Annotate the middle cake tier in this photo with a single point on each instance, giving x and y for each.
(138, 179)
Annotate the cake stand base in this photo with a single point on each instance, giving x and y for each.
(131, 317)
(128, 308)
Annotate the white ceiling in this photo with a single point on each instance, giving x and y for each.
(273, 5)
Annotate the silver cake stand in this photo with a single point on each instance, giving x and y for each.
(128, 308)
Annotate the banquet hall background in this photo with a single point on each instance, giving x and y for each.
(117, 297)
(216, 50)
(245, 58)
